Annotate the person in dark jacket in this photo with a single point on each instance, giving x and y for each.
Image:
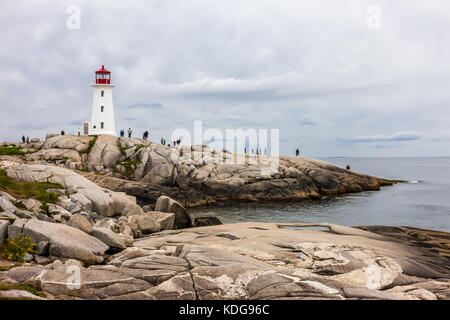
(23, 139)
(145, 135)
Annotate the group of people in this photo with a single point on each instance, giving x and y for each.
(175, 142)
(129, 131)
(258, 151)
(27, 140)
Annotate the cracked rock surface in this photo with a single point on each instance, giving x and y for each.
(259, 261)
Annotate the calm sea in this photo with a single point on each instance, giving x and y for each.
(423, 202)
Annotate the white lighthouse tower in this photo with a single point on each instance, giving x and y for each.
(102, 119)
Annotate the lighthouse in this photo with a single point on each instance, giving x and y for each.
(102, 119)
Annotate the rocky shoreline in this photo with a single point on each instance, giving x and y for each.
(73, 197)
(194, 175)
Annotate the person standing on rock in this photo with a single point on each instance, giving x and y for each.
(129, 132)
(23, 139)
(297, 152)
(28, 140)
(62, 132)
(79, 132)
(145, 135)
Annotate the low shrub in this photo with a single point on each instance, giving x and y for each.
(16, 249)
(10, 150)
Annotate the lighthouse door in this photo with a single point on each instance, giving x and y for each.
(86, 128)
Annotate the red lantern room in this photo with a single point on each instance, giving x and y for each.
(103, 76)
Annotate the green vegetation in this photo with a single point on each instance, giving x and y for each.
(130, 167)
(19, 205)
(25, 190)
(10, 150)
(44, 208)
(90, 146)
(16, 249)
(21, 286)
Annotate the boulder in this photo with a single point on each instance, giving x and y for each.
(28, 257)
(7, 196)
(83, 200)
(125, 205)
(108, 237)
(42, 248)
(166, 220)
(8, 216)
(127, 239)
(4, 224)
(24, 214)
(80, 222)
(19, 294)
(31, 204)
(50, 135)
(105, 152)
(55, 154)
(73, 262)
(65, 241)
(206, 221)
(145, 224)
(103, 202)
(35, 140)
(182, 218)
(6, 204)
(77, 143)
(126, 230)
(106, 223)
(54, 209)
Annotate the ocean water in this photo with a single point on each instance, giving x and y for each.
(422, 202)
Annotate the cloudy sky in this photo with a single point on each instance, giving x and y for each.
(313, 69)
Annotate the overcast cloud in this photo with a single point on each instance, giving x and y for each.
(310, 68)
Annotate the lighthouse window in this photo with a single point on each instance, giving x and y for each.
(101, 93)
(102, 108)
(102, 125)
